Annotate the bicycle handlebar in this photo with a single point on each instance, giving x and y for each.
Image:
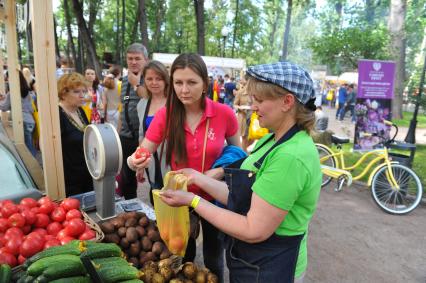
(390, 123)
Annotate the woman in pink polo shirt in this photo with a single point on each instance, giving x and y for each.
(195, 129)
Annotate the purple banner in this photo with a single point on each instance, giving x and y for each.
(375, 79)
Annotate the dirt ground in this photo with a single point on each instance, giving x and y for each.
(352, 240)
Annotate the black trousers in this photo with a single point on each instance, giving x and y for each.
(128, 183)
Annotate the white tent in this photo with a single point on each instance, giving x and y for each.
(228, 63)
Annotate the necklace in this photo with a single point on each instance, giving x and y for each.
(73, 121)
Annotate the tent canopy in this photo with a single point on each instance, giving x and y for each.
(229, 63)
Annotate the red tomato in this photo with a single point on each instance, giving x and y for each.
(13, 233)
(4, 202)
(75, 227)
(30, 217)
(26, 229)
(44, 200)
(49, 237)
(52, 243)
(66, 239)
(41, 231)
(22, 207)
(8, 258)
(16, 220)
(12, 246)
(142, 152)
(54, 228)
(58, 214)
(28, 202)
(30, 247)
(70, 203)
(65, 223)
(42, 220)
(47, 207)
(8, 209)
(21, 259)
(4, 225)
(36, 236)
(87, 235)
(73, 213)
(61, 234)
(35, 210)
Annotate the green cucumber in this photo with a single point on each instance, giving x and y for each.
(74, 279)
(132, 281)
(70, 264)
(101, 250)
(122, 273)
(5, 273)
(110, 261)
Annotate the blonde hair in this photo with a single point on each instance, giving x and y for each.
(70, 81)
(305, 118)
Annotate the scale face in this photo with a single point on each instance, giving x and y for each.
(104, 157)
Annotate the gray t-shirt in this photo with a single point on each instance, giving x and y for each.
(131, 131)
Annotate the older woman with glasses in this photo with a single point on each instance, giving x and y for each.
(72, 89)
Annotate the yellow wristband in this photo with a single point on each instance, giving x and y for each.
(195, 201)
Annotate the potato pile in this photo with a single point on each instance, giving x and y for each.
(137, 236)
(162, 272)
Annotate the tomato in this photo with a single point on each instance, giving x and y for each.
(42, 220)
(46, 207)
(176, 244)
(8, 258)
(54, 228)
(52, 243)
(12, 246)
(31, 246)
(70, 203)
(29, 202)
(26, 229)
(21, 259)
(22, 207)
(35, 210)
(13, 232)
(9, 209)
(35, 236)
(4, 225)
(75, 227)
(44, 200)
(61, 234)
(16, 220)
(58, 214)
(30, 217)
(65, 223)
(73, 213)
(66, 239)
(4, 202)
(142, 152)
(87, 235)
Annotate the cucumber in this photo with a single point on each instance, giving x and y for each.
(74, 247)
(113, 274)
(5, 273)
(74, 279)
(110, 261)
(58, 264)
(132, 281)
(100, 250)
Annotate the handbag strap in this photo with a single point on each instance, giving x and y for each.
(205, 144)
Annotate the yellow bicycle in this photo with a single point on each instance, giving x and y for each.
(395, 187)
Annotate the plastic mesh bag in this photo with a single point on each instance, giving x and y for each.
(172, 222)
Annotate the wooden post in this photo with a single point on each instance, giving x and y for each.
(47, 100)
(12, 66)
(4, 115)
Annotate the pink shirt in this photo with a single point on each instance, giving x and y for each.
(223, 124)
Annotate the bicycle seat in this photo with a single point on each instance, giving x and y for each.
(339, 140)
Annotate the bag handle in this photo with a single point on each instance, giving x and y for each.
(205, 144)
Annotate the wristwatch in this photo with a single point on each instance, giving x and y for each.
(135, 88)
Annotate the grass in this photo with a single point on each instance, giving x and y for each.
(419, 164)
(405, 122)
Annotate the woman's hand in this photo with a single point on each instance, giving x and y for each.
(138, 163)
(177, 198)
(192, 175)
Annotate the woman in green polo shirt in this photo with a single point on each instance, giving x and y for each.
(271, 195)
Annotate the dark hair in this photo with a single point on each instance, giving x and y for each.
(25, 88)
(174, 134)
(96, 81)
(115, 70)
(160, 69)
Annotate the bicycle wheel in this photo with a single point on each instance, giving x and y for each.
(328, 161)
(393, 200)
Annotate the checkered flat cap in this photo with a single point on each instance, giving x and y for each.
(288, 76)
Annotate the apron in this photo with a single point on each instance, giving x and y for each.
(273, 260)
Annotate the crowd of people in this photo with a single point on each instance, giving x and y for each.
(196, 125)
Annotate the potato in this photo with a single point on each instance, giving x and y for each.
(107, 227)
(176, 280)
(118, 222)
(124, 243)
(132, 235)
(166, 272)
(135, 248)
(147, 275)
(189, 270)
(143, 221)
(112, 238)
(141, 231)
(134, 261)
(147, 257)
(212, 278)
(131, 214)
(201, 277)
(158, 278)
(139, 215)
(146, 244)
(122, 232)
(150, 264)
(157, 248)
(165, 254)
(153, 235)
(131, 222)
(165, 262)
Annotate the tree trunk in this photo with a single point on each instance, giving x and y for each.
(369, 11)
(159, 19)
(287, 30)
(29, 35)
(237, 10)
(93, 10)
(199, 16)
(273, 32)
(118, 47)
(86, 37)
(135, 36)
(70, 37)
(123, 26)
(18, 37)
(57, 51)
(144, 24)
(396, 26)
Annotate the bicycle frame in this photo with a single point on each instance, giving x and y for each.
(381, 155)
